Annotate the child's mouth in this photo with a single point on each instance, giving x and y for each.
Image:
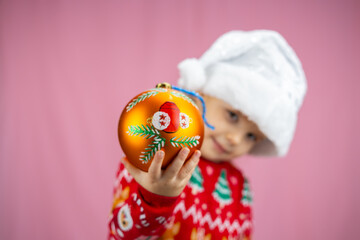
(219, 147)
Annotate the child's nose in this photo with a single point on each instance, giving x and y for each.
(234, 138)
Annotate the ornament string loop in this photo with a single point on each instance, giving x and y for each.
(195, 94)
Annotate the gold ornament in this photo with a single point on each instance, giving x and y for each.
(159, 119)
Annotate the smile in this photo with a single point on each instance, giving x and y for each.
(219, 147)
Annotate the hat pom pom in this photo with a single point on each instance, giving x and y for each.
(192, 74)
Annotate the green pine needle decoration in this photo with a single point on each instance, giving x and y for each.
(148, 132)
(141, 98)
(143, 131)
(159, 89)
(152, 148)
(185, 141)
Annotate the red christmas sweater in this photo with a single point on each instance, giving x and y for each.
(214, 205)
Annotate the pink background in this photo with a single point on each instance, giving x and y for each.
(67, 68)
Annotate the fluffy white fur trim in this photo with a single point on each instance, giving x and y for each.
(192, 74)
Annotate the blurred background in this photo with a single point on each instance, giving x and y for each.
(67, 69)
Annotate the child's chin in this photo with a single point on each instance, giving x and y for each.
(218, 160)
(214, 158)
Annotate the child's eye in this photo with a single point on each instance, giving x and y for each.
(251, 137)
(233, 116)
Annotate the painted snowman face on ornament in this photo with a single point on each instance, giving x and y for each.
(159, 119)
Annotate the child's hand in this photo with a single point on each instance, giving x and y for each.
(169, 182)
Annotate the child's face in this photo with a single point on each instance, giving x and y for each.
(234, 134)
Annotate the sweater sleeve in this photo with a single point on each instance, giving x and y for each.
(136, 212)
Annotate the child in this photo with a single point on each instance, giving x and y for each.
(253, 86)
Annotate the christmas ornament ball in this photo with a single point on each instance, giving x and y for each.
(159, 119)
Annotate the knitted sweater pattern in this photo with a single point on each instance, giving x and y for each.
(215, 204)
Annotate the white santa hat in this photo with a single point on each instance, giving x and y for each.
(258, 73)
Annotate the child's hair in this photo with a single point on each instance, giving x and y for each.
(258, 73)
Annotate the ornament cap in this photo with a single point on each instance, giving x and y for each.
(164, 85)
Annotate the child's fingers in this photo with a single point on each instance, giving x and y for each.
(155, 166)
(174, 168)
(188, 168)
